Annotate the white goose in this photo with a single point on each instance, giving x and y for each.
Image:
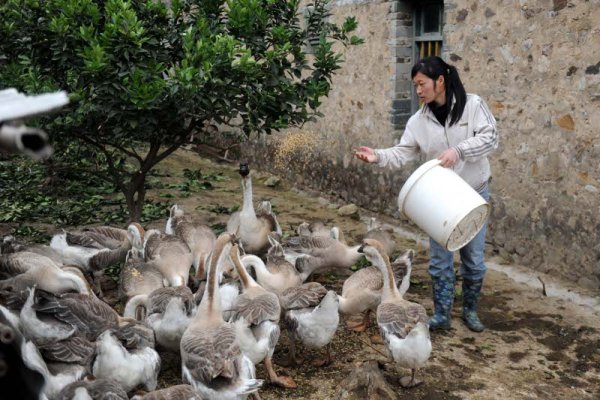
(211, 359)
(311, 316)
(256, 314)
(130, 367)
(403, 324)
(249, 226)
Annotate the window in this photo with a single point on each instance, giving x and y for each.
(428, 24)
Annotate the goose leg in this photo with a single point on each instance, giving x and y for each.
(292, 359)
(410, 381)
(323, 361)
(362, 326)
(283, 381)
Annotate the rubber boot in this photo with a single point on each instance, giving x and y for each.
(471, 291)
(443, 298)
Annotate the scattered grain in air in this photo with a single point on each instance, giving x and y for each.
(297, 145)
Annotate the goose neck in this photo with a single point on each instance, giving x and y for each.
(389, 283)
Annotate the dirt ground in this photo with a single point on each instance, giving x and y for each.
(534, 347)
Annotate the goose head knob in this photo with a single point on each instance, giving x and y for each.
(244, 169)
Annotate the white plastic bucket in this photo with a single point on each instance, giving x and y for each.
(442, 204)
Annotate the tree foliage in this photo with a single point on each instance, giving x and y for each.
(144, 75)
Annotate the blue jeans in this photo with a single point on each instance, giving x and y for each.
(472, 266)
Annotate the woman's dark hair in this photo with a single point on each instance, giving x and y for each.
(433, 67)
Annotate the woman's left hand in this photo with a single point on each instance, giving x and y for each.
(448, 158)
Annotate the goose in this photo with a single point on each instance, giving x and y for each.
(177, 392)
(138, 277)
(277, 274)
(170, 255)
(42, 331)
(97, 248)
(10, 245)
(53, 383)
(322, 254)
(41, 271)
(229, 290)
(256, 314)
(311, 316)
(97, 389)
(167, 310)
(211, 359)
(403, 324)
(249, 226)
(130, 367)
(382, 235)
(199, 238)
(361, 292)
(87, 314)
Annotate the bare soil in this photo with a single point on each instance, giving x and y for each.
(534, 347)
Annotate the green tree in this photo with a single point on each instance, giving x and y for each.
(145, 75)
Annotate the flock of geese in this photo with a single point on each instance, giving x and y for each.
(219, 302)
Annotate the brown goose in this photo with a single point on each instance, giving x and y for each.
(138, 277)
(250, 227)
(211, 359)
(199, 238)
(320, 254)
(277, 274)
(382, 235)
(256, 314)
(97, 248)
(177, 392)
(403, 324)
(170, 255)
(361, 292)
(33, 269)
(97, 389)
(166, 310)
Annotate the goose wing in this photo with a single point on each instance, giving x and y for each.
(210, 353)
(135, 334)
(108, 257)
(308, 295)
(76, 349)
(176, 392)
(13, 264)
(88, 314)
(396, 319)
(159, 298)
(255, 310)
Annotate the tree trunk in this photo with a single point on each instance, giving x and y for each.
(366, 382)
(135, 195)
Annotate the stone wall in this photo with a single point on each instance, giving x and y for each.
(537, 65)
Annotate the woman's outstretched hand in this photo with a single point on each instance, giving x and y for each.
(365, 154)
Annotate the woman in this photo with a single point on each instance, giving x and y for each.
(459, 130)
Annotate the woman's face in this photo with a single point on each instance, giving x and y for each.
(429, 90)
